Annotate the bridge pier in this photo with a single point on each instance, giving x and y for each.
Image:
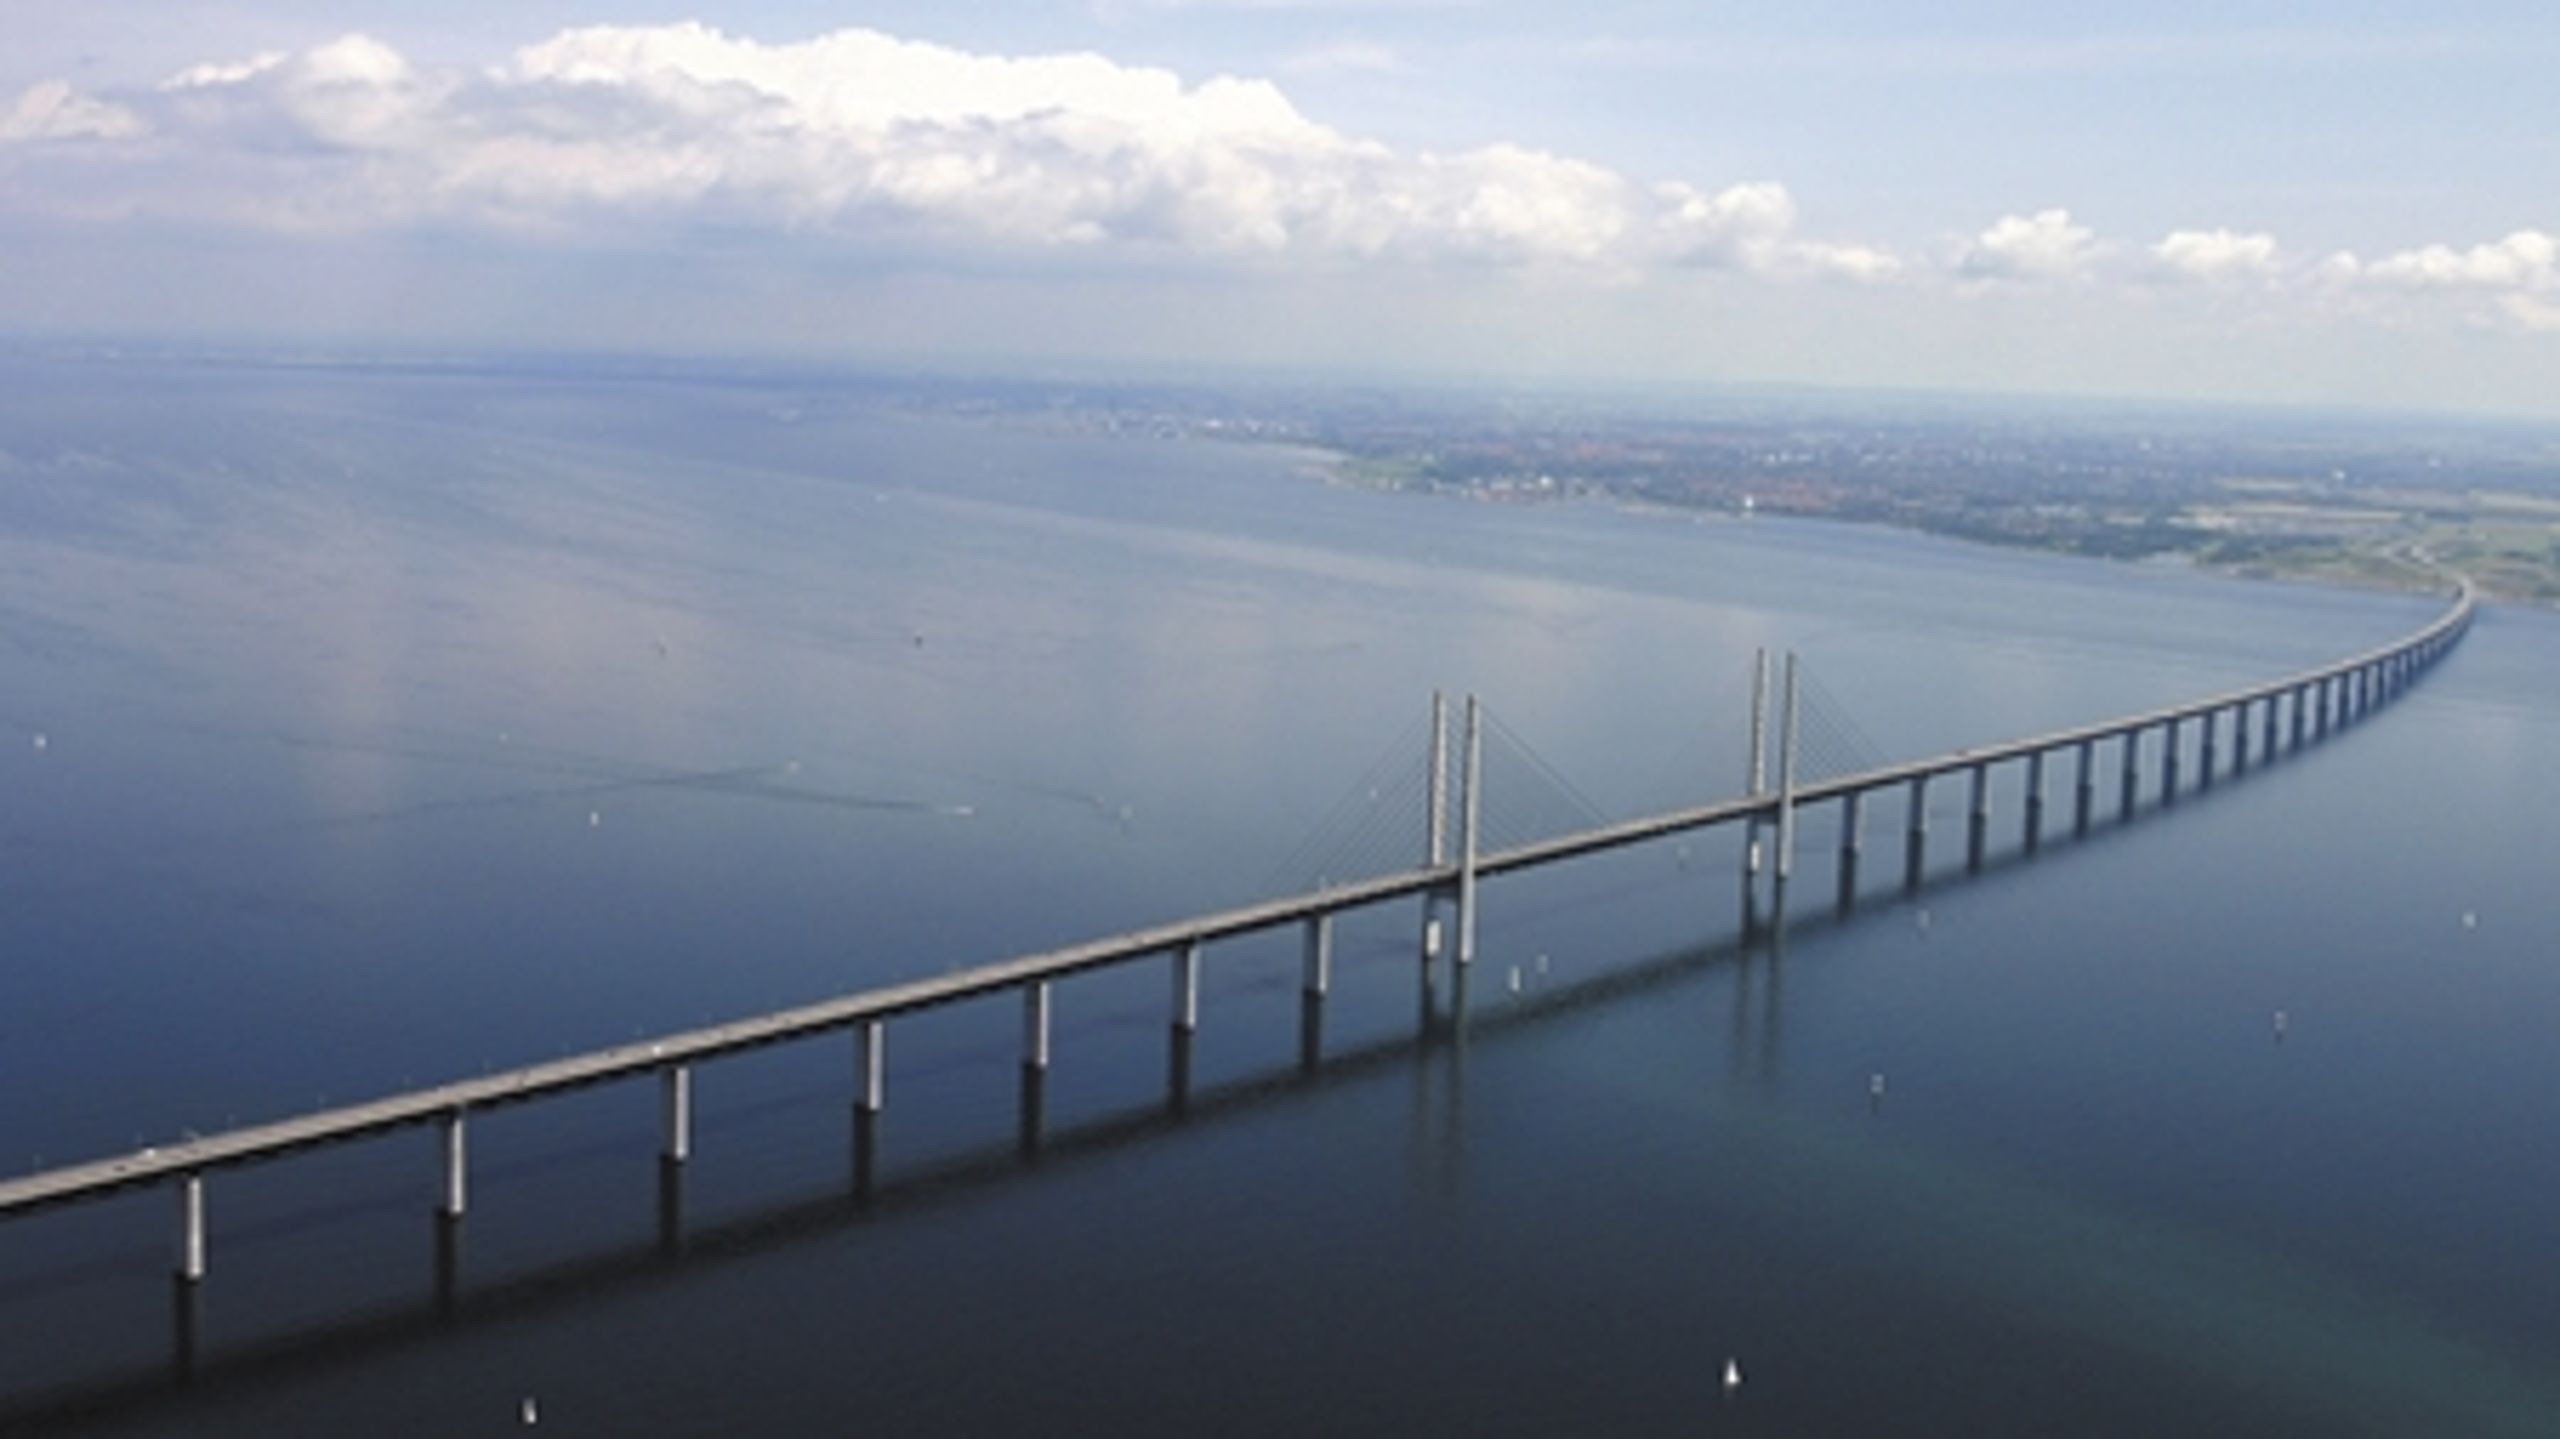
(2267, 726)
(2132, 773)
(449, 1140)
(675, 1093)
(1316, 957)
(191, 1241)
(2240, 738)
(1978, 818)
(2035, 801)
(2085, 793)
(1915, 840)
(1037, 1006)
(1186, 987)
(2301, 708)
(1852, 823)
(870, 1065)
(2169, 763)
(2211, 720)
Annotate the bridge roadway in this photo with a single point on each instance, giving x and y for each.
(2363, 679)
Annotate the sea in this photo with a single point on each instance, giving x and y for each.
(367, 727)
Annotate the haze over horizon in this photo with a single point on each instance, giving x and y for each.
(2210, 203)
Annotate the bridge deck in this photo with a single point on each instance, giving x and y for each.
(159, 1163)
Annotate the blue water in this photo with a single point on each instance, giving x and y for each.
(400, 726)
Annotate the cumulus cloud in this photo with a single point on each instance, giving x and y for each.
(2216, 255)
(2525, 260)
(1752, 227)
(2043, 246)
(858, 136)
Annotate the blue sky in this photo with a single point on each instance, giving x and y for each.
(2239, 200)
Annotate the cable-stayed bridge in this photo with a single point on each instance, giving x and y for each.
(1458, 800)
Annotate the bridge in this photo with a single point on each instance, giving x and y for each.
(2287, 714)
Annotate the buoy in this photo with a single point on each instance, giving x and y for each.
(40, 740)
(2279, 1024)
(1875, 1086)
(1732, 1376)
(594, 819)
(2470, 918)
(1515, 979)
(529, 1412)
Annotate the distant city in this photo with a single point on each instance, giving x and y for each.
(2353, 499)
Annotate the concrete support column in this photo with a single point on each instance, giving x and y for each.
(2267, 732)
(870, 1065)
(2301, 712)
(2212, 722)
(1186, 987)
(449, 1133)
(2084, 794)
(1470, 821)
(675, 1093)
(2035, 799)
(2169, 762)
(2132, 771)
(1036, 1005)
(1915, 839)
(1852, 840)
(191, 1245)
(2240, 737)
(1978, 816)
(1317, 979)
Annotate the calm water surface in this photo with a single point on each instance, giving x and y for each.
(397, 727)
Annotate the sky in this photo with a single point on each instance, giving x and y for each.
(2353, 204)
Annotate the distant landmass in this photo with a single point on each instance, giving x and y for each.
(2359, 499)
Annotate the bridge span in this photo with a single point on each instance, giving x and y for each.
(2286, 713)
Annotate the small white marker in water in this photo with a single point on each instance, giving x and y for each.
(529, 1412)
(1732, 1375)
(2470, 917)
(1515, 979)
(41, 741)
(1542, 964)
(1921, 919)
(2279, 1024)
(1875, 1086)
(594, 818)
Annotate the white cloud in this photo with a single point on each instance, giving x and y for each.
(1752, 227)
(2043, 246)
(2525, 260)
(54, 111)
(2216, 255)
(862, 137)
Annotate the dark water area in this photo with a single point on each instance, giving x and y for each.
(363, 731)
